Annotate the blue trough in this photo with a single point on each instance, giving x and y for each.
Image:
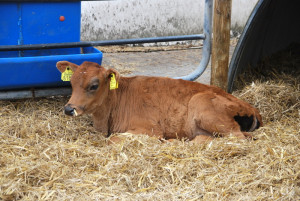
(27, 23)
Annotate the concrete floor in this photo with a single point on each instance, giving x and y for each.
(172, 63)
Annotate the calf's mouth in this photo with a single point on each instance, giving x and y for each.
(72, 111)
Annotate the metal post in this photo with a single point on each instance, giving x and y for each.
(206, 44)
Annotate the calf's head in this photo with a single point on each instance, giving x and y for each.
(90, 86)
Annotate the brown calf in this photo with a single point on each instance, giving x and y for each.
(158, 106)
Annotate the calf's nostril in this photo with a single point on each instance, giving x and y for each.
(69, 110)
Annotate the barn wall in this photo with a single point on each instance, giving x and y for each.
(150, 18)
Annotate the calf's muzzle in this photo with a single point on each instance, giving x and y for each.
(70, 110)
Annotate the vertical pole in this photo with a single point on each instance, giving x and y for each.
(221, 41)
(207, 29)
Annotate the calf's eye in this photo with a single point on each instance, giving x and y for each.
(93, 87)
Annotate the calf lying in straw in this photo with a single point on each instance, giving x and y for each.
(157, 106)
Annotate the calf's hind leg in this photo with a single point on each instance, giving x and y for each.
(218, 124)
(214, 115)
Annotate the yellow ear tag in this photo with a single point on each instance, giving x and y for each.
(113, 82)
(66, 76)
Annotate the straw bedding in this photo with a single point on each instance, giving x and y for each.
(46, 155)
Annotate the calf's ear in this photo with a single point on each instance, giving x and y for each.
(113, 71)
(62, 65)
(113, 77)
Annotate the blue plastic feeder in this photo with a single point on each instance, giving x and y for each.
(25, 23)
